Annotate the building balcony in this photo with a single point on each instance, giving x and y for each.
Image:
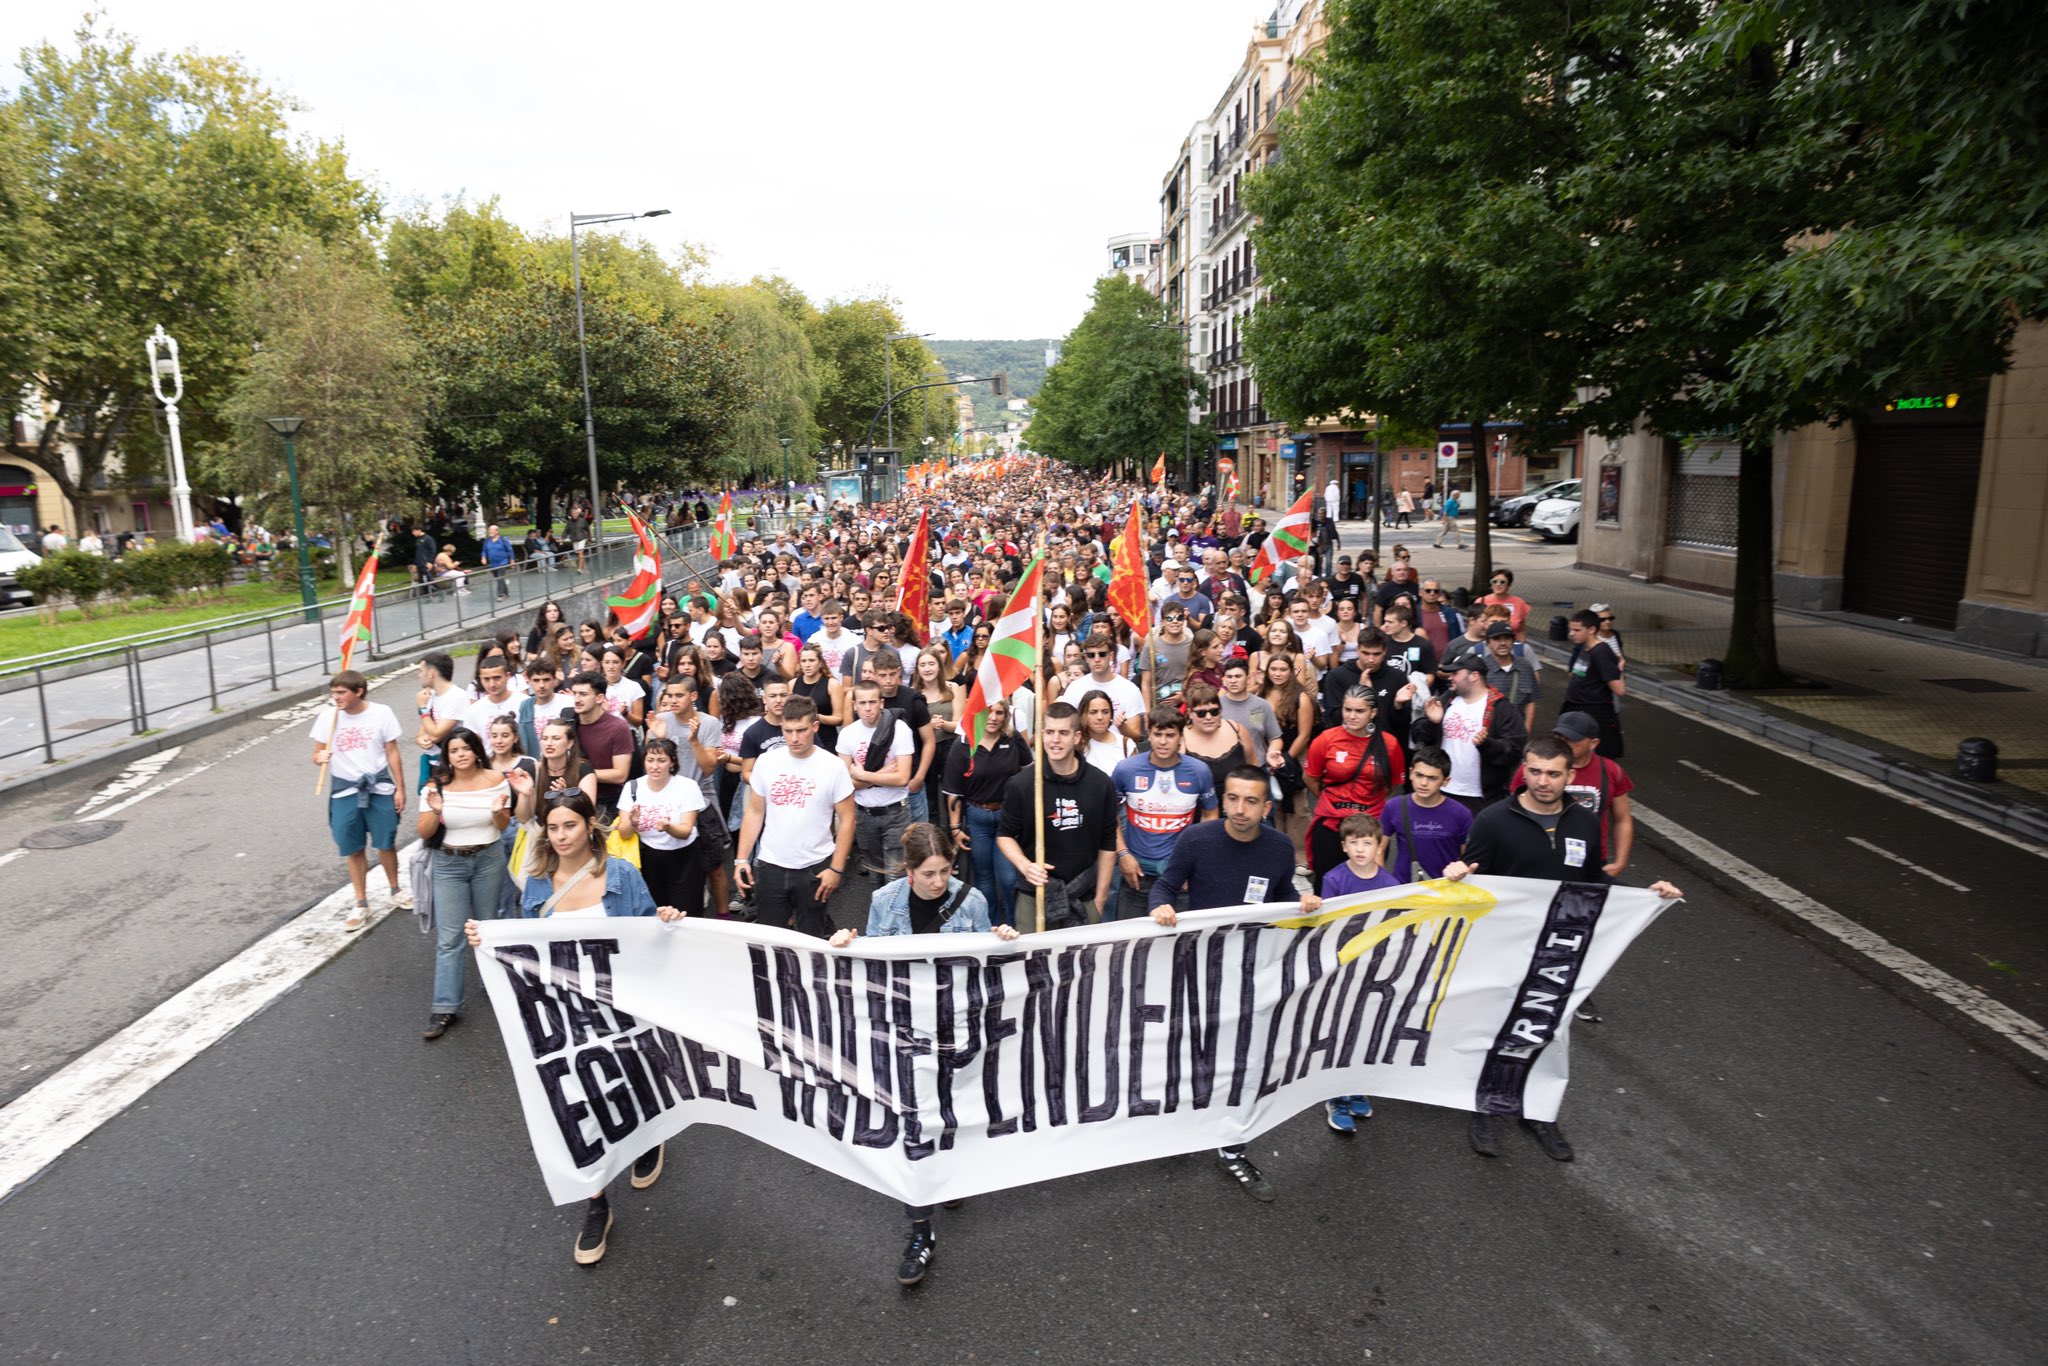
(1224, 356)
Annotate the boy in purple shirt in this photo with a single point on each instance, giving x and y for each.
(1426, 828)
(1359, 872)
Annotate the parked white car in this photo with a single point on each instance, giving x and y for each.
(14, 556)
(1557, 519)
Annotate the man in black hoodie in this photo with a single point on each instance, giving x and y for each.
(1080, 824)
(1538, 833)
(1480, 732)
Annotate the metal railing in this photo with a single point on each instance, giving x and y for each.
(53, 704)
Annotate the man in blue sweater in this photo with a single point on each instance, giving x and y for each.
(1236, 861)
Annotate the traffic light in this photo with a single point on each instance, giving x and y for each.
(1001, 383)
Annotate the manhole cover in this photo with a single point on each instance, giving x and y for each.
(78, 832)
(1975, 685)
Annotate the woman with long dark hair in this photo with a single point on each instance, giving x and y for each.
(544, 623)
(464, 808)
(573, 877)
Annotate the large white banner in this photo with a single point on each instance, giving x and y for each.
(935, 1067)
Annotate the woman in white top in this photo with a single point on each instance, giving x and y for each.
(662, 809)
(464, 808)
(508, 758)
(1106, 746)
(572, 876)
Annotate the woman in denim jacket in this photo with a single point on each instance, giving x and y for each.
(927, 900)
(571, 876)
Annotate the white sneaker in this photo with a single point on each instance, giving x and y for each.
(400, 899)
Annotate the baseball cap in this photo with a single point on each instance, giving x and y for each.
(1498, 629)
(1576, 725)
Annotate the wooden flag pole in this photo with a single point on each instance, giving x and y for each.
(334, 721)
(1038, 723)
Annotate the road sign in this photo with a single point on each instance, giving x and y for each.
(1446, 455)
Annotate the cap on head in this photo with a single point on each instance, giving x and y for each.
(1499, 629)
(1576, 725)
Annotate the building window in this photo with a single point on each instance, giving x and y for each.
(1702, 507)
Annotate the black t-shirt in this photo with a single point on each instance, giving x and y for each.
(916, 714)
(993, 769)
(924, 912)
(1391, 592)
(761, 737)
(1591, 671)
(1080, 818)
(1352, 588)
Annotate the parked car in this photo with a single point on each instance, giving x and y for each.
(1517, 511)
(1557, 519)
(14, 556)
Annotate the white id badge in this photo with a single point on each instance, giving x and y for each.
(1255, 890)
(1574, 853)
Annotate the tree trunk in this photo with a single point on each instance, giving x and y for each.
(344, 556)
(1751, 659)
(1482, 491)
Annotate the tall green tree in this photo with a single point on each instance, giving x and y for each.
(149, 187)
(774, 350)
(334, 349)
(1119, 394)
(847, 340)
(452, 255)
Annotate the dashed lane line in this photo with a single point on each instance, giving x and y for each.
(1883, 852)
(1993, 1015)
(66, 1107)
(1709, 773)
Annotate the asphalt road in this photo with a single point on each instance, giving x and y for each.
(1781, 1158)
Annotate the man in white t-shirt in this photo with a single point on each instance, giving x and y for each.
(358, 740)
(441, 705)
(800, 819)
(833, 641)
(1099, 651)
(1476, 727)
(881, 789)
(498, 700)
(1318, 634)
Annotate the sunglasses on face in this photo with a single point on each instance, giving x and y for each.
(1607, 621)
(1205, 711)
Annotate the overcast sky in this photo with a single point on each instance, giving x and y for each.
(760, 125)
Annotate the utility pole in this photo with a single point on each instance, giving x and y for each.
(577, 220)
(288, 427)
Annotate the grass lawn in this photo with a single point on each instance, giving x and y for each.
(27, 634)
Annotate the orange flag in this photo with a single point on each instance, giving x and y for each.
(914, 593)
(1129, 591)
(1159, 469)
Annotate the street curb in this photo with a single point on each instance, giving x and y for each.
(1951, 794)
(1941, 1012)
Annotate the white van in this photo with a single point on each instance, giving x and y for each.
(14, 556)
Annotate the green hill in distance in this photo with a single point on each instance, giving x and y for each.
(1024, 361)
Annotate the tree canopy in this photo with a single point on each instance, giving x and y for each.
(1119, 394)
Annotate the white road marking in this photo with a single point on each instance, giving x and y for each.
(63, 1110)
(1844, 773)
(1883, 852)
(137, 774)
(11, 855)
(1993, 1015)
(1709, 773)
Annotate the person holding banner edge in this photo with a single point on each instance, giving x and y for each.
(1538, 833)
(572, 876)
(928, 899)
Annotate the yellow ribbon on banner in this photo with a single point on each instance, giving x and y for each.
(1437, 899)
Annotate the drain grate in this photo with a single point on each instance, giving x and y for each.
(65, 836)
(1974, 684)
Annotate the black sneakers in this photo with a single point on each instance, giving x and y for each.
(1480, 1134)
(597, 1226)
(917, 1255)
(647, 1167)
(1550, 1138)
(1247, 1176)
(1587, 1011)
(437, 1026)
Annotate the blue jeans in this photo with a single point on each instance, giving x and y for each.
(465, 888)
(995, 875)
(920, 810)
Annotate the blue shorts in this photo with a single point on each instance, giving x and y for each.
(352, 822)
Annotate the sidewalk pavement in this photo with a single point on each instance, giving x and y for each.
(1906, 696)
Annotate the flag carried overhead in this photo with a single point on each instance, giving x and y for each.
(914, 593)
(640, 604)
(1159, 469)
(1289, 541)
(1128, 591)
(1012, 653)
(362, 605)
(724, 545)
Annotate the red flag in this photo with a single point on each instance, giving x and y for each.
(355, 628)
(914, 593)
(1129, 593)
(1288, 541)
(1159, 469)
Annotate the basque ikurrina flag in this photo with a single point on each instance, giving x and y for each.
(641, 603)
(1012, 654)
(1288, 541)
(724, 545)
(914, 593)
(355, 628)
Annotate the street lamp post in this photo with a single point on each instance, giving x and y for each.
(288, 427)
(580, 220)
(163, 365)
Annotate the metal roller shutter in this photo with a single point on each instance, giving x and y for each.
(1911, 509)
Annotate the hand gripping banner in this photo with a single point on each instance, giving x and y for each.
(940, 1066)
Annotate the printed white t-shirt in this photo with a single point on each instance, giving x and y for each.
(652, 811)
(799, 795)
(357, 749)
(853, 744)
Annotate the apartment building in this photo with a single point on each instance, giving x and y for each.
(1131, 255)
